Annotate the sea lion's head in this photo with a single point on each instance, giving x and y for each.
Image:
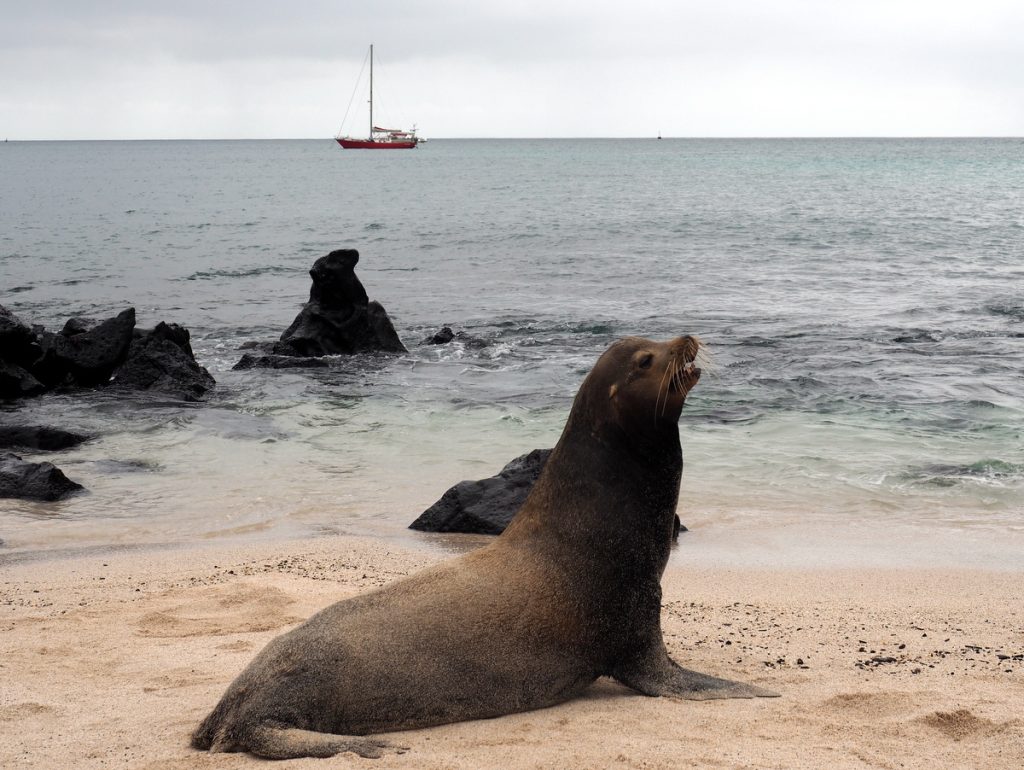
(619, 459)
(646, 382)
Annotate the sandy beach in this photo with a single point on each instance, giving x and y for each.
(111, 659)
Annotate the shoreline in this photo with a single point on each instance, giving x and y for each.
(720, 539)
(113, 658)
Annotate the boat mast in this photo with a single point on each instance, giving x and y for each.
(371, 92)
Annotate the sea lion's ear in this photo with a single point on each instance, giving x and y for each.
(613, 390)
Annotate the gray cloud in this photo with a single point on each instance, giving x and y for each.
(793, 67)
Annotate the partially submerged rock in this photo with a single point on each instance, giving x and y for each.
(78, 325)
(447, 334)
(19, 350)
(486, 506)
(88, 353)
(162, 361)
(85, 353)
(443, 337)
(16, 382)
(339, 318)
(33, 481)
(39, 437)
(18, 344)
(249, 361)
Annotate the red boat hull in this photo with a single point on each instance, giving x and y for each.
(366, 144)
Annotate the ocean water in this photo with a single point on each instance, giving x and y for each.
(862, 299)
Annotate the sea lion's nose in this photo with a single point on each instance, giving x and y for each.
(686, 347)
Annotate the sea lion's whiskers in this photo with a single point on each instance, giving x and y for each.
(662, 386)
(679, 374)
(704, 360)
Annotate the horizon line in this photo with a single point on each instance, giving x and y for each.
(535, 138)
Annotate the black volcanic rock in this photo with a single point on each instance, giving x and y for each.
(338, 318)
(262, 346)
(78, 325)
(446, 335)
(84, 353)
(443, 337)
(33, 481)
(162, 361)
(249, 361)
(385, 337)
(486, 507)
(39, 437)
(16, 382)
(18, 343)
(87, 353)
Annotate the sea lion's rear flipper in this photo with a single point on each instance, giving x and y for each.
(694, 686)
(278, 742)
(660, 675)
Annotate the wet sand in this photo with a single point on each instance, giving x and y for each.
(111, 659)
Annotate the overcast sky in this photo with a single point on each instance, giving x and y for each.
(85, 69)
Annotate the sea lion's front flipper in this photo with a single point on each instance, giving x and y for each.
(658, 674)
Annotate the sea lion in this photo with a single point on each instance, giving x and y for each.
(568, 593)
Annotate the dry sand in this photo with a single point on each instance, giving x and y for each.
(111, 660)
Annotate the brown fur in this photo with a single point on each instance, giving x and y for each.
(570, 592)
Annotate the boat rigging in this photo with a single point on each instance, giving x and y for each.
(381, 138)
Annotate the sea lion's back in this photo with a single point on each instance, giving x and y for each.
(447, 644)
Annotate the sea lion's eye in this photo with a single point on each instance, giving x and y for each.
(646, 361)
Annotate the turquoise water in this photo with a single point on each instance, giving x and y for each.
(861, 297)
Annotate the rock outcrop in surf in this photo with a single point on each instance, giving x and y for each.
(486, 506)
(84, 354)
(87, 353)
(19, 350)
(271, 361)
(33, 481)
(447, 334)
(161, 361)
(339, 317)
(39, 437)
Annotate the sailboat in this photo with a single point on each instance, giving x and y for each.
(381, 138)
